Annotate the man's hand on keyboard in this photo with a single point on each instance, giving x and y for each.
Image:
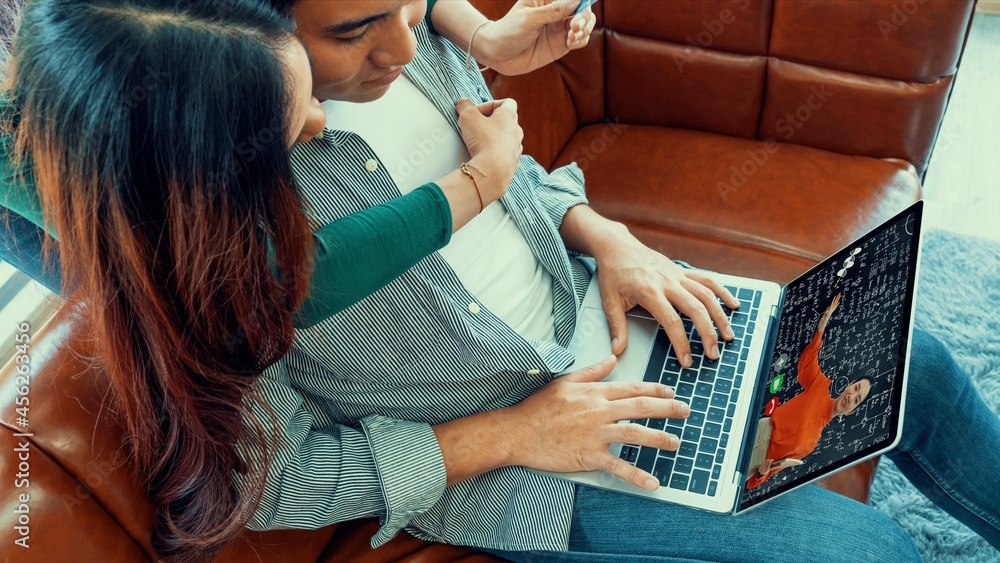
(630, 274)
(569, 424)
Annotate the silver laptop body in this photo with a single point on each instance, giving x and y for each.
(724, 489)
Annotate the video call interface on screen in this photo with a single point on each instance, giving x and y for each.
(865, 338)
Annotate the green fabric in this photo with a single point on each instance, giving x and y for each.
(361, 253)
(355, 256)
(19, 194)
(427, 18)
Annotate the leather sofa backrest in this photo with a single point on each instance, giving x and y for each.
(866, 78)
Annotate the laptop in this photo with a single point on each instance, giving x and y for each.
(781, 407)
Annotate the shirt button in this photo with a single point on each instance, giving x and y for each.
(474, 308)
(371, 165)
(534, 372)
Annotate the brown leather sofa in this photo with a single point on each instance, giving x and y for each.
(747, 136)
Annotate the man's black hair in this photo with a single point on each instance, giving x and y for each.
(283, 7)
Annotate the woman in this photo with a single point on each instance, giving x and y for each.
(340, 277)
(184, 241)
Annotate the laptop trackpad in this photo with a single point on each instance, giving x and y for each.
(592, 343)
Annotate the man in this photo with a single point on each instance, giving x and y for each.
(423, 404)
(794, 428)
(480, 326)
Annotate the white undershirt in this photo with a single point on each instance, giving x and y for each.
(489, 255)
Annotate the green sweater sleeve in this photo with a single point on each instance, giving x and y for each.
(17, 192)
(361, 253)
(355, 256)
(427, 18)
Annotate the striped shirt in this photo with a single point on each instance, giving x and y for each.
(356, 397)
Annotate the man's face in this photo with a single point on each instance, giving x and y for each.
(855, 394)
(359, 46)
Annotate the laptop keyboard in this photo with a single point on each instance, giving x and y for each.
(711, 388)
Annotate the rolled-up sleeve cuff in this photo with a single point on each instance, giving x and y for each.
(565, 189)
(413, 477)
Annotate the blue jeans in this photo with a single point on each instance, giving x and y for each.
(950, 450)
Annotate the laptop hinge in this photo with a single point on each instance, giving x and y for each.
(771, 340)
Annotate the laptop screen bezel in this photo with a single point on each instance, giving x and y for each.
(916, 210)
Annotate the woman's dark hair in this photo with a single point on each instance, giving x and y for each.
(10, 11)
(158, 133)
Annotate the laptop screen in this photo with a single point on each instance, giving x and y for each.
(833, 393)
